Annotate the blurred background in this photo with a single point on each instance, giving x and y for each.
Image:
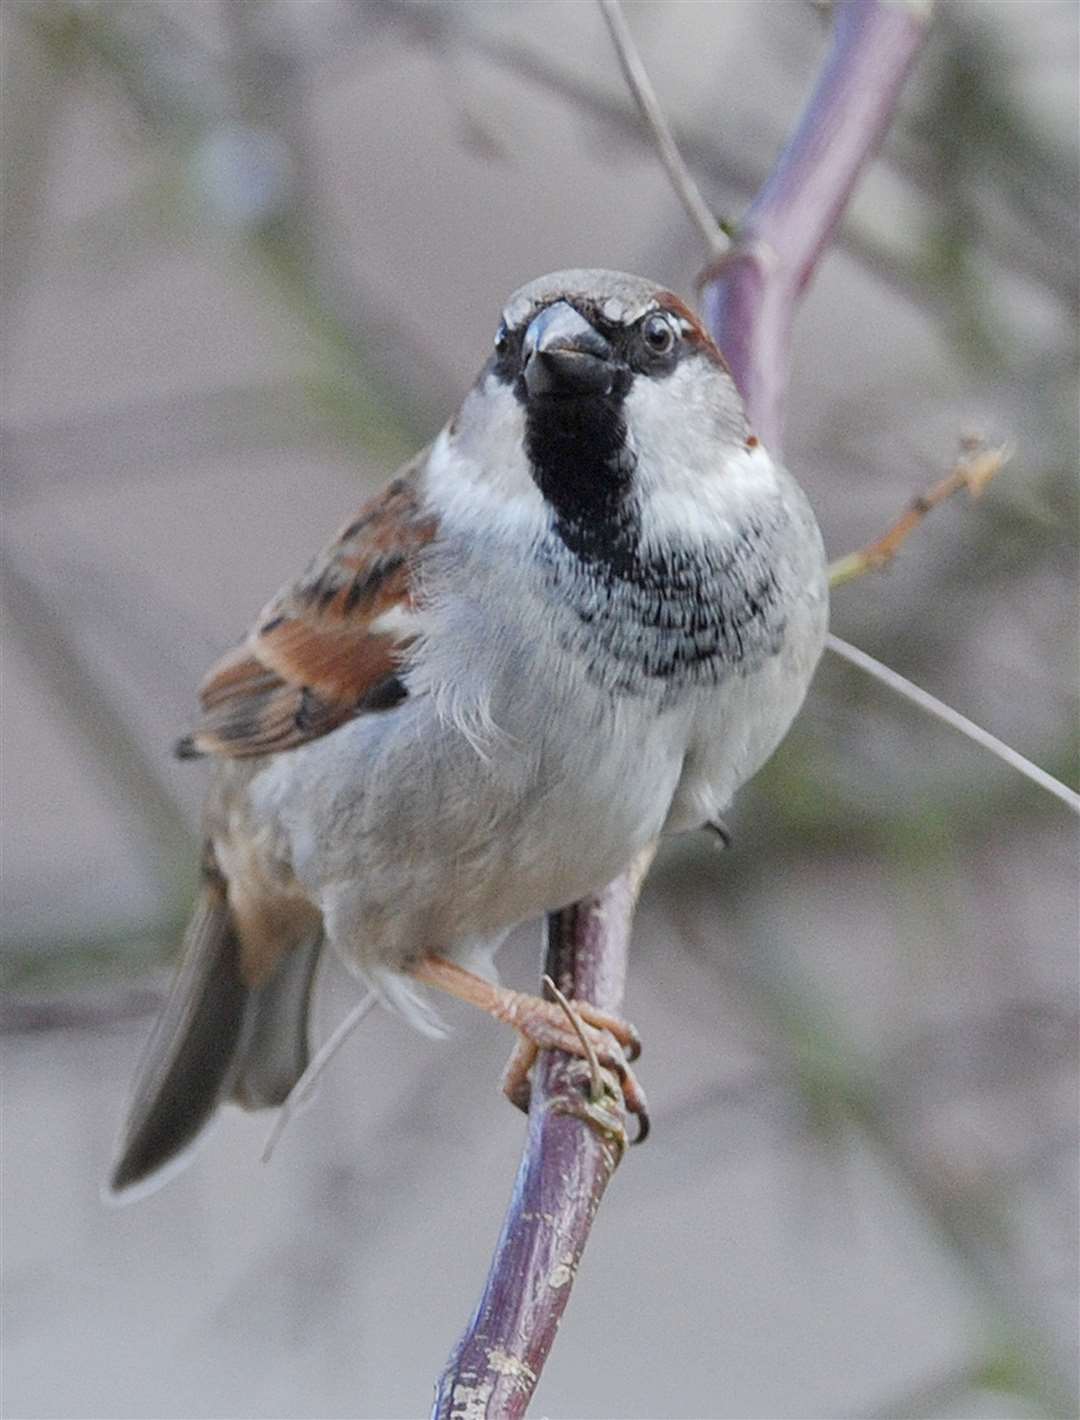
(252, 254)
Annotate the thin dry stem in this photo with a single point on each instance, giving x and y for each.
(948, 716)
(973, 470)
(640, 85)
(301, 1091)
(596, 1081)
(976, 466)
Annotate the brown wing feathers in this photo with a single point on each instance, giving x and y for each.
(329, 646)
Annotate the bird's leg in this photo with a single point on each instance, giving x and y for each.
(528, 1014)
(543, 1025)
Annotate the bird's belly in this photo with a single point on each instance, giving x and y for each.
(585, 809)
(410, 839)
(575, 836)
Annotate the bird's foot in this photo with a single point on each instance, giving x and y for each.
(605, 1041)
(574, 1027)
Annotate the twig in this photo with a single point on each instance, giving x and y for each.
(596, 1083)
(728, 169)
(932, 706)
(972, 471)
(572, 1149)
(301, 1090)
(749, 297)
(640, 86)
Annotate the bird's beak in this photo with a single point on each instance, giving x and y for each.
(564, 355)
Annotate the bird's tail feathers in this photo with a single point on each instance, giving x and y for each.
(217, 1039)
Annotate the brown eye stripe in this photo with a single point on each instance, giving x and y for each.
(694, 332)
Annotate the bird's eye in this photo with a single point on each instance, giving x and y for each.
(502, 341)
(658, 334)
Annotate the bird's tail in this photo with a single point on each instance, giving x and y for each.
(217, 1039)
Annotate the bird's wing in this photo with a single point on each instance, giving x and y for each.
(329, 646)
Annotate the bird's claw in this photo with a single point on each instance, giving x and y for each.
(586, 1034)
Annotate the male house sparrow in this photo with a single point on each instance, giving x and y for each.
(580, 619)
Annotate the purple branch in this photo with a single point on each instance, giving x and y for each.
(571, 1151)
(750, 298)
(573, 1147)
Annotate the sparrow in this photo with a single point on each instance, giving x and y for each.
(577, 621)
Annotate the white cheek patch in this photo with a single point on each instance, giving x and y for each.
(695, 474)
(478, 476)
(711, 505)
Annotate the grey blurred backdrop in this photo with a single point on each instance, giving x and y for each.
(252, 254)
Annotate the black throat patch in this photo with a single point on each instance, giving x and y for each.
(580, 461)
(645, 619)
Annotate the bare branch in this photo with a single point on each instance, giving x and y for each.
(750, 296)
(640, 85)
(725, 167)
(302, 1089)
(974, 469)
(573, 1147)
(948, 716)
